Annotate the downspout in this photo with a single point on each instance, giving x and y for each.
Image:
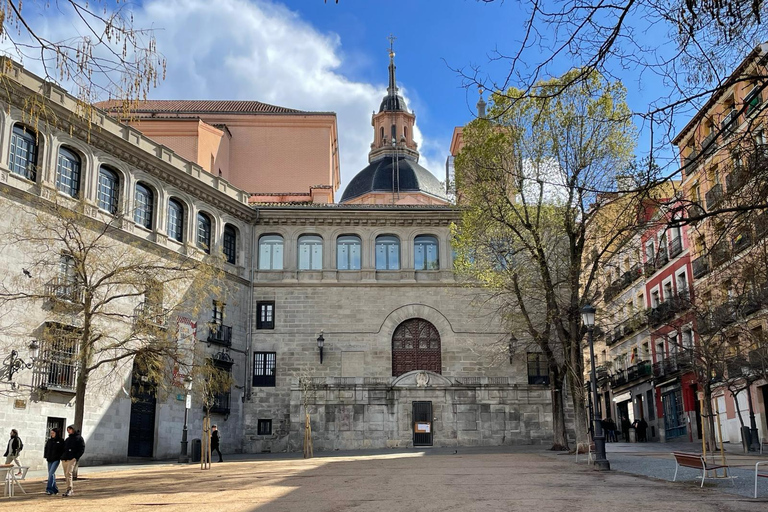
(249, 337)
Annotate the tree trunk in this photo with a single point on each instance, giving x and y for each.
(559, 431)
(580, 413)
(709, 416)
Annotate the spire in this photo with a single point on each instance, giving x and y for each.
(392, 89)
(480, 104)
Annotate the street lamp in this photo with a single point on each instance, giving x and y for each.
(601, 462)
(320, 345)
(183, 456)
(14, 363)
(754, 442)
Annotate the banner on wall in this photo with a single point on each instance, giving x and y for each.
(186, 336)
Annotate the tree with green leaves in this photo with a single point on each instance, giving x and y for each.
(528, 179)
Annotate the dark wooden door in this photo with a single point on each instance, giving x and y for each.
(422, 415)
(141, 434)
(415, 346)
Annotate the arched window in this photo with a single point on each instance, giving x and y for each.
(405, 132)
(381, 134)
(229, 244)
(175, 220)
(204, 232)
(348, 252)
(143, 206)
(387, 252)
(68, 172)
(271, 252)
(310, 252)
(23, 157)
(425, 252)
(415, 346)
(109, 190)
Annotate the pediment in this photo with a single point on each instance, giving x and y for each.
(421, 379)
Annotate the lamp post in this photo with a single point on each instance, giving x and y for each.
(15, 364)
(754, 442)
(183, 455)
(320, 345)
(601, 462)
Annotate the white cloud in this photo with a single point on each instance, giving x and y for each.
(259, 50)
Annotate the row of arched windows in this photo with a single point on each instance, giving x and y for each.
(23, 161)
(348, 252)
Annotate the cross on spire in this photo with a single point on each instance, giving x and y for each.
(391, 45)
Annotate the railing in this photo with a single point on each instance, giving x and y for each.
(56, 367)
(728, 125)
(669, 308)
(758, 358)
(148, 314)
(753, 101)
(700, 267)
(736, 179)
(221, 403)
(662, 257)
(65, 290)
(690, 160)
(708, 145)
(695, 210)
(720, 253)
(675, 247)
(635, 372)
(220, 334)
(741, 242)
(671, 365)
(713, 196)
(761, 225)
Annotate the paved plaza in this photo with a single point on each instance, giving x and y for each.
(403, 480)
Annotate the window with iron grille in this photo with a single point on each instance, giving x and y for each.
(229, 244)
(221, 400)
(23, 157)
(265, 428)
(109, 188)
(266, 315)
(264, 369)
(68, 172)
(55, 423)
(218, 312)
(57, 363)
(538, 369)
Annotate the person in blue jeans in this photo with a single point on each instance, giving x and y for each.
(54, 448)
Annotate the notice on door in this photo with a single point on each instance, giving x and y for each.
(423, 427)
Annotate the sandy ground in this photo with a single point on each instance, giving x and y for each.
(399, 481)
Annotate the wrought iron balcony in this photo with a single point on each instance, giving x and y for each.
(65, 290)
(729, 123)
(736, 179)
(709, 144)
(700, 267)
(713, 196)
(761, 225)
(695, 210)
(662, 257)
(632, 374)
(220, 334)
(671, 366)
(741, 242)
(148, 314)
(690, 161)
(675, 247)
(753, 100)
(720, 253)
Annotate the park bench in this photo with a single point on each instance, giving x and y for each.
(696, 461)
(760, 474)
(10, 478)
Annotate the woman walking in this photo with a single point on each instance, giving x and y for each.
(54, 449)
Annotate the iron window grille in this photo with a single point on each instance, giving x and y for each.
(220, 401)
(109, 186)
(68, 172)
(23, 157)
(266, 315)
(57, 367)
(264, 369)
(538, 369)
(264, 428)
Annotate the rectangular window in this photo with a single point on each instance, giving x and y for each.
(264, 369)
(265, 318)
(57, 362)
(265, 428)
(538, 369)
(218, 312)
(52, 423)
(651, 405)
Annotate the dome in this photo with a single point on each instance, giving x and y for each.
(377, 177)
(393, 103)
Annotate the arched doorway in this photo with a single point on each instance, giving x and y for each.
(415, 346)
(141, 433)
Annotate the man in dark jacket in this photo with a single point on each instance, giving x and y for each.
(54, 449)
(14, 447)
(215, 442)
(74, 447)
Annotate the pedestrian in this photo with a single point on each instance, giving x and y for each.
(74, 447)
(611, 430)
(642, 430)
(215, 442)
(625, 425)
(54, 449)
(15, 445)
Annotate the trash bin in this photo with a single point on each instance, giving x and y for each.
(632, 435)
(197, 446)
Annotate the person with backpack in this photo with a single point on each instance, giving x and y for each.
(74, 447)
(54, 449)
(14, 448)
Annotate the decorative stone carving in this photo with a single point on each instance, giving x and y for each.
(421, 379)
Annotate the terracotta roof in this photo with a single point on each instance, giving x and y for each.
(201, 107)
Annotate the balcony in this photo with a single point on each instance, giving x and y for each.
(668, 309)
(758, 358)
(695, 210)
(700, 267)
(753, 100)
(709, 145)
(632, 374)
(662, 257)
(689, 161)
(671, 366)
(148, 314)
(65, 290)
(720, 253)
(601, 373)
(761, 225)
(220, 334)
(713, 196)
(675, 247)
(741, 242)
(729, 124)
(736, 179)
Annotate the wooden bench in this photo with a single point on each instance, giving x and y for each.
(759, 474)
(696, 461)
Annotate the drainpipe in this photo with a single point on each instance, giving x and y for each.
(249, 337)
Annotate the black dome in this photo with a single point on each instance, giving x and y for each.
(377, 177)
(393, 103)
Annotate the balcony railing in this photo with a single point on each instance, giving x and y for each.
(720, 253)
(668, 309)
(708, 145)
(700, 266)
(761, 225)
(662, 257)
(220, 334)
(753, 100)
(148, 314)
(671, 365)
(737, 178)
(729, 123)
(64, 289)
(634, 373)
(695, 210)
(221, 403)
(713, 196)
(675, 247)
(690, 161)
(741, 242)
